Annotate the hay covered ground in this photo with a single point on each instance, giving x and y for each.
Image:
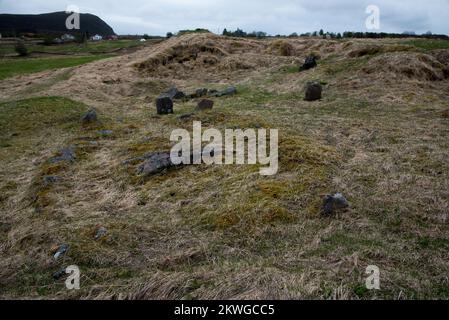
(379, 136)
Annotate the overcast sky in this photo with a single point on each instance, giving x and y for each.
(157, 17)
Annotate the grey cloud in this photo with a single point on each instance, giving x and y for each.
(273, 16)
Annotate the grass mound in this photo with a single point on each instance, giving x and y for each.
(189, 51)
(442, 56)
(183, 54)
(417, 66)
(282, 48)
(196, 56)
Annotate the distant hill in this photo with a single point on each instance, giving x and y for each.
(51, 23)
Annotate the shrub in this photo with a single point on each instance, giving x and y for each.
(48, 40)
(198, 30)
(21, 49)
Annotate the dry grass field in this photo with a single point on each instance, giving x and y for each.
(379, 135)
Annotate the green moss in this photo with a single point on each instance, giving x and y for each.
(433, 243)
(295, 192)
(361, 291)
(32, 116)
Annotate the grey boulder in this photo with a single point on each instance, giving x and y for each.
(100, 233)
(59, 274)
(50, 180)
(65, 155)
(174, 94)
(201, 92)
(90, 117)
(155, 163)
(198, 93)
(334, 203)
(227, 92)
(61, 251)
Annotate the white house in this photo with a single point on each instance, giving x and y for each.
(97, 37)
(67, 37)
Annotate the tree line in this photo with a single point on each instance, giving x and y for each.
(333, 35)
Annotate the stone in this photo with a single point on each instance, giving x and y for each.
(59, 274)
(65, 155)
(175, 94)
(205, 104)
(197, 94)
(334, 203)
(227, 92)
(309, 63)
(201, 92)
(50, 180)
(100, 233)
(155, 163)
(90, 117)
(313, 91)
(164, 105)
(61, 251)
